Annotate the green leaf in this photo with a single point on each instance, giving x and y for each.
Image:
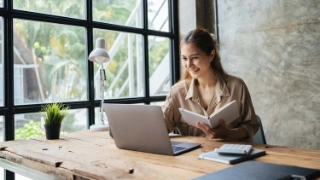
(54, 113)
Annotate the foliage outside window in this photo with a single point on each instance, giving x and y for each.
(30, 130)
(1, 64)
(70, 8)
(52, 60)
(120, 12)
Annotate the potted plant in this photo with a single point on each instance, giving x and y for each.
(53, 116)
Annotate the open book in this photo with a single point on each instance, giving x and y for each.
(228, 113)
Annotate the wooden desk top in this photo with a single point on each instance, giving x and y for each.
(93, 155)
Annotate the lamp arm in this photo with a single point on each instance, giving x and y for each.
(102, 79)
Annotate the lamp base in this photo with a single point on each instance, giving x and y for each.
(99, 127)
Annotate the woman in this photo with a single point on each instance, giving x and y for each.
(205, 88)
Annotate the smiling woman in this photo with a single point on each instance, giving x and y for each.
(195, 60)
(205, 88)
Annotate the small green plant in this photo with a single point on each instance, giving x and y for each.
(54, 113)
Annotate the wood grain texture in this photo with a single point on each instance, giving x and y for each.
(93, 155)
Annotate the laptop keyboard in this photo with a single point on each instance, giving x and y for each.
(176, 149)
(174, 143)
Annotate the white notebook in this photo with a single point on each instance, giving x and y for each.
(231, 158)
(228, 113)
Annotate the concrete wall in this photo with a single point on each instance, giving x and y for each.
(274, 46)
(187, 16)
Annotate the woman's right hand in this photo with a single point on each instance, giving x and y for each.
(221, 132)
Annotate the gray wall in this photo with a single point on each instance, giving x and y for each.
(274, 46)
(187, 16)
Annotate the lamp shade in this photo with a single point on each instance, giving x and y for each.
(99, 54)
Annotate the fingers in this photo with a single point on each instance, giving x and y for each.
(206, 129)
(222, 123)
(203, 127)
(211, 133)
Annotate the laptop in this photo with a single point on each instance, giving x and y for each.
(142, 128)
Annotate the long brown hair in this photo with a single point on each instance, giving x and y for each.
(206, 42)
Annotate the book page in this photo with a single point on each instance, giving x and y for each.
(228, 113)
(192, 118)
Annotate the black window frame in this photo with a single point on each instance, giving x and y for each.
(8, 14)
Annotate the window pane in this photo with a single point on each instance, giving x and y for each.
(159, 65)
(124, 73)
(20, 177)
(32, 124)
(158, 15)
(1, 173)
(76, 120)
(1, 3)
(49, 62)
(70, 8)
(1, 64)
(97, 116)
(120, 12)
(1, 129)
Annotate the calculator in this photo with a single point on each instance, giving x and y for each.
(234, 149)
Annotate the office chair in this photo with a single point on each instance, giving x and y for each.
(259, 138)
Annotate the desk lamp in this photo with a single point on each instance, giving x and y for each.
(100, 55)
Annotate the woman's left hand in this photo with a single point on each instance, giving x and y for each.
(222, 131)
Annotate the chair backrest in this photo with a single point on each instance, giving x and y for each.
(259, 138)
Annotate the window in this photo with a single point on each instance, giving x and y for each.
(1, 129)
(70, 8)
(159, 65)
(44, 48)
(1, 172)
(49, 62)
(120, 12)
(124, 72)
(97, 116)
(30, 125)
(45, 56)
(158, 15)
(1, 64)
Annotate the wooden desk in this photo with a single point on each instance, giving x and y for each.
(93, 155)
